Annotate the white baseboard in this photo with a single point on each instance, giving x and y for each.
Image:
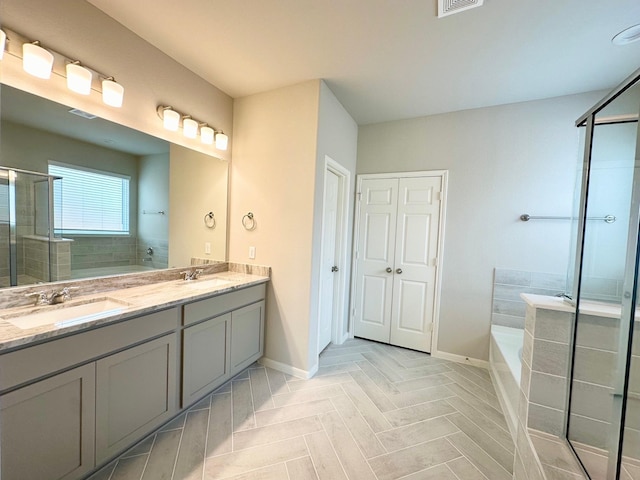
(289, 369)
(476, 362)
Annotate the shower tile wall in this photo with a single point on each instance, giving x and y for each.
(160, 256)
(98, 252)
(508, 308)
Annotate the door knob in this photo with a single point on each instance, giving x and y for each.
(399, 270)
(389, 270)
(334, 268)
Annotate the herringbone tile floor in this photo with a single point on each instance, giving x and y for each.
(372, 412)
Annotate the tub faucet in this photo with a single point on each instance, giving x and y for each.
(193, 274)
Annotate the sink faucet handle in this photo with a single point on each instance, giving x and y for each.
(42, 297)
(198, 272)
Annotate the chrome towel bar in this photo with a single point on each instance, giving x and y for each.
(525, 217)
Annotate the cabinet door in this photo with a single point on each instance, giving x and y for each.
(205, 357)
(48, 427)
(247, 336)
(135, 393)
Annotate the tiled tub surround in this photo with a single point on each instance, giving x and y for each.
(508, 307)
(144, 292)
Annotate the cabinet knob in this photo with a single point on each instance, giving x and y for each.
(399, 270)
(389, 270)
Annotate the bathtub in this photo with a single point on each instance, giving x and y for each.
(505, 365)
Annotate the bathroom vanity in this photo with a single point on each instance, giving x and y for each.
(74, 395)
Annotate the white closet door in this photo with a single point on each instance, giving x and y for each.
(375, 255)
(416, 252)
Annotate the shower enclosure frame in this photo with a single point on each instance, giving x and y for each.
(630, 279)
(12, 210)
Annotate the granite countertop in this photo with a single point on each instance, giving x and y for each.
(138, 300)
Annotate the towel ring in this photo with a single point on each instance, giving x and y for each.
(210, 220)
(248, 222)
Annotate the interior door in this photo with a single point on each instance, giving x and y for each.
(375, 258)
(329, 267)
(415, 262)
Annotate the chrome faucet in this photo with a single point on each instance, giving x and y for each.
(52, 298)
(192, 275)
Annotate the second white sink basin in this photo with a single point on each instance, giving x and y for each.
(63, 315)
(205, 284)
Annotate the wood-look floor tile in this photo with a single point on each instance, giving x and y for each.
(141, 448)
(439, 472)
(351, 458)
(202, 404)
(324, 457)
(417, 413)
(272, 472)
(414, 397)
(277, 381)
(335, 369)
(275, 433)
(380, 380)
(490, 412)
(484, 441)
(359, 428)
(424, 382)
(190, 459)
(374, 417)
(482, 461)
(105, 472)
(301, 469)
(260, 389)
(219, 438)
(129, 468)
(243, 416)
(316, 382)
(403, 437)
(500, 435)
(307, 395)
(243, 461)
(372, 391)
(176, 423)
(465, 470)
(292, 412)
(385, 368)
(488, 397)
(413, 459)
(422, 361)
(427, 371)
(332, 352)
(162, 458)
(337, 359)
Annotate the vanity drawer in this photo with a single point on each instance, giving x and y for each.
(211, 307)
(30, 363)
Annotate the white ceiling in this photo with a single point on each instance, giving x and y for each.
(393, 59)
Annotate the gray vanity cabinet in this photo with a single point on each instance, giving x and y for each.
(247, 336)
(206, 357)
(48, 427)
(135, 393)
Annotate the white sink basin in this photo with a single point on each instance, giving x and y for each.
(201, 284)
(63, 315)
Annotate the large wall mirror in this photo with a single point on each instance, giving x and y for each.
(125, 202)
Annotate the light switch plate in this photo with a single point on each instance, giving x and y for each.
(252, 253)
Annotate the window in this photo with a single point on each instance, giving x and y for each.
(90, 202)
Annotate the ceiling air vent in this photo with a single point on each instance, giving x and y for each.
(449, 7)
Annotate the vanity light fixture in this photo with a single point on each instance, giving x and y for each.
(221, 141)
(3, 43)
(189, 127)
(37, 61)
(206, 134)
(112, 92)
(174, 120)
(78, 78)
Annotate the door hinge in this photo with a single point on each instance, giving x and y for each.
(430, 327)
(358, 196)
(435, 262)
(439, 196)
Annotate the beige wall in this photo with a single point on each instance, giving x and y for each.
(197, 186)
(77, 29)
(503, 161)
(273, 176)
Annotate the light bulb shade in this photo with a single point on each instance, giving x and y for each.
(78, 79)
(36, 60)
(221, 141)
(3, 43)
(206, 135)
(171, 119)
(190, 128)
(112, 93)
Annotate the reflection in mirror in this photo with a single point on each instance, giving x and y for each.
(108, 214)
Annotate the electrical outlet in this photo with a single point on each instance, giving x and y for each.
(252, 253)
(207, 248)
